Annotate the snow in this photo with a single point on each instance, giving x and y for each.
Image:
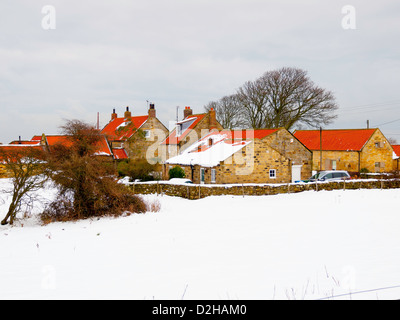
(308, 245)
(222, 148)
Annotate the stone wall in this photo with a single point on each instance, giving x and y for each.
(193, 192)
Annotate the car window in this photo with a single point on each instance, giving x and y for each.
(329, 176)
(338, 175)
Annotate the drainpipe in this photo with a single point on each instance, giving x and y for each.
(320, 149)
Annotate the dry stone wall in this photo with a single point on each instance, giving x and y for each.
(193, 191)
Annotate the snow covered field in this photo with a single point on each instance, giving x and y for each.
(297, 246)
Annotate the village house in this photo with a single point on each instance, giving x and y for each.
(188, 131)
(244, 156)
(132, 136)
(396, 157)
(353, 150)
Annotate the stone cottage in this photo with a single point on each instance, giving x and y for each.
(352, 150)
(134, 137)
(188, 131)
(244, 156)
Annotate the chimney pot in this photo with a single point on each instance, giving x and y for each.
(187, 112)
(127, 114)
(213, 119)
(114, 115)
(152, 110)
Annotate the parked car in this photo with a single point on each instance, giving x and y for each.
(180, 181)
(330, 176)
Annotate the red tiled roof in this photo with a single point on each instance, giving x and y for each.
(16, 151)
(396, 149)
(103, 147)
(335, 140)
(24, 142)
(116, 130)
(120, 154)
(253, 133)
(173, 139)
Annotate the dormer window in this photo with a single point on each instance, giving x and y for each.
(182, 126)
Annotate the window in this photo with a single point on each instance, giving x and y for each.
(147, 134)
(202, 175)
(379, 144)
(328, 176)
(183, 126)
(213, 175)
(333, 164)
(272, 174)
(338, 175)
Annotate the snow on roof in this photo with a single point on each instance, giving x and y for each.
(396, 151)
(210, 150)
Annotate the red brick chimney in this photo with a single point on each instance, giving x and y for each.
(187, 112)
(114, 115)
(213, 119)
(152, 110)
(127, 115)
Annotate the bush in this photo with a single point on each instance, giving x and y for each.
(87, 184)
(114, 204)
(176, 172)
(138, 169)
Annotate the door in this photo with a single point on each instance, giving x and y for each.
(202, 175)
(296, 173)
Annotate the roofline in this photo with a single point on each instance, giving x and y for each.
(336, 129)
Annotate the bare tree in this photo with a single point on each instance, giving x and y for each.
(282, 98)
(25, 167)
(228, 111)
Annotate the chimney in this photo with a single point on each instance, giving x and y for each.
(213, 119)
(114, 115)
(152, 110)
(210, 142)
(187, 112)
(127, 114)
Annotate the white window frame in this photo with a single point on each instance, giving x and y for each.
(213, 175)
(202, 175)
(147, 134)
(272, 173)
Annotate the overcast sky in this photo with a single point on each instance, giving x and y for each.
(112, 54)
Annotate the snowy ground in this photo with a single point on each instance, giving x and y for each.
(298, 246)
